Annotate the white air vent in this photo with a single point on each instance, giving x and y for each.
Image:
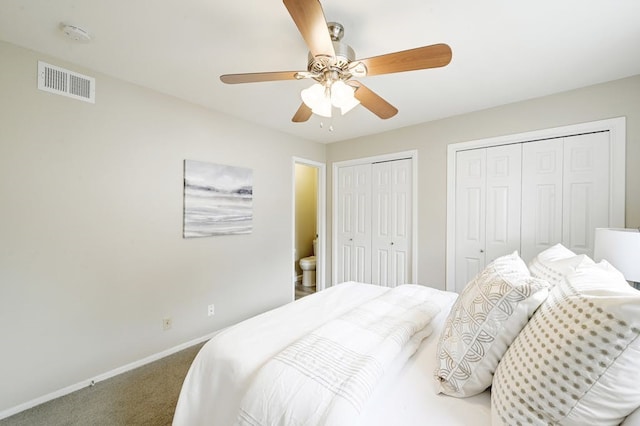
(66, 83)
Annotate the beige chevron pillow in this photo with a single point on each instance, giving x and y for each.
(486, 317)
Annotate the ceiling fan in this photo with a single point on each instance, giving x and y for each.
(332, 65)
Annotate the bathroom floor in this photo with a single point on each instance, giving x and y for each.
(302, 291)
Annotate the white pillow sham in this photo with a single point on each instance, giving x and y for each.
(486, 317)
(555, 263)
(576, 361)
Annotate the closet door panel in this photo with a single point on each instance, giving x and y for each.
(586, 190)
(503, 177)
(381, 265)
(381, 233)
(362, 189)
(401, 224)
(401, 264)
(391, 222)
(354, 240)
(344, 263)
(470, 215)
(542, 171)
(362, 234)
(345, 206)
(362, 264)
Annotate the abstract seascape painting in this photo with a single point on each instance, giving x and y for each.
(218, 200)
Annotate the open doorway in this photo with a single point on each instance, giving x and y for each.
(308, 227)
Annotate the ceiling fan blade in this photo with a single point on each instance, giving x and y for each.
(310, 20)
(437, 55)
(371, 101)
(258, 77)
(303, 114)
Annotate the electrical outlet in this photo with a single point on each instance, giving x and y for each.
(167, 323)
(211, 310)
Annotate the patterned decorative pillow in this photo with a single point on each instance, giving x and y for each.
(554, 263)
(576, 361)
(486, 317)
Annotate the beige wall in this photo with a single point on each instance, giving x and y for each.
(306, 211)
(91, 250)
(608, 100)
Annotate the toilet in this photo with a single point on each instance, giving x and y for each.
(308, 266)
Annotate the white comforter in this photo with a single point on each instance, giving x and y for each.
(223, 371)
(326, 377)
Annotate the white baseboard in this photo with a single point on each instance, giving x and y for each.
(109, 374)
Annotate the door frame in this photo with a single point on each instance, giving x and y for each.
(617, 131)
(321, 221)
(413, 156)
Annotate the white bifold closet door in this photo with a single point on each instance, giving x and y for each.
(374, 236)
(565, 184)
(488, 200)
(527, 197)
(391, 222)
(354, 223)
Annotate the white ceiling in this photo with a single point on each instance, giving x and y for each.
(503, 51)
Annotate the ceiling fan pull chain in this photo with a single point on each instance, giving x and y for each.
(330, 125)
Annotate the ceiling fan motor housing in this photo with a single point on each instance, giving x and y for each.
(344, 53)
(344, 56)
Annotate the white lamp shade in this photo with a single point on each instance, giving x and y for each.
(316, 99)
(348, 106)
(312, 94)
(342, 97)
(621, 248)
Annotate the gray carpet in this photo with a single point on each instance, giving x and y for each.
(144, 396)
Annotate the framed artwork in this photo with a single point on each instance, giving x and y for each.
(218, 200)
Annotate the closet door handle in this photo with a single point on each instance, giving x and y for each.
(481, 251)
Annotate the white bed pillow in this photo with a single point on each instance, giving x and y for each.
(556, 262)
(576, 361)
(555, 252)
(487, 316)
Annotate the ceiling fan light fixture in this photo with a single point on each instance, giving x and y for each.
(330, 61)
(342, 96)
(348, 107)
(312, 94)
(316, 99)
(321, 99)
(323, 109)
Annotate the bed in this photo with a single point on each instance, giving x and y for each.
(422, 382)
(218, 378)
